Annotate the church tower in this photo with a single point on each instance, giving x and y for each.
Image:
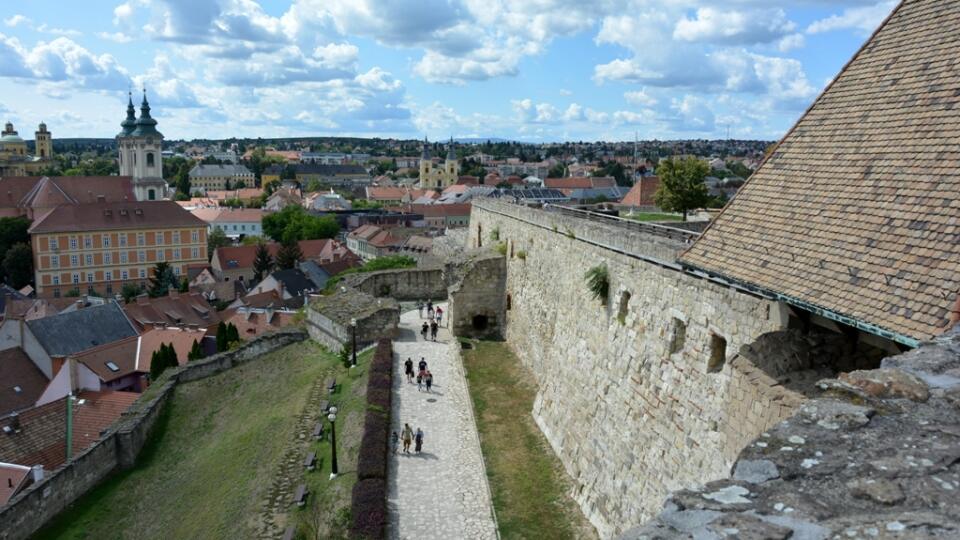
(43, 145)
(140, 146)
(452, 172)
(426, 166)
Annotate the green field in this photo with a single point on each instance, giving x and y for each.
(528, 483)
(219, 446)
(653, 216)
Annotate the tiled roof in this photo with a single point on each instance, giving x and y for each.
(381, 193)
(181, 338)
(641, 194)
(113, 216)
(253, 322)
(175, 309)
(233, 257)
(113, 360)
(580, 182)
(243, 193)
(212, 171)
(42, 436)
(294, 281)
(76, 331)
(48, 192)
(12, 478)
(21, 381)
(856, 210)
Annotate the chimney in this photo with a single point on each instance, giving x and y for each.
(101, 198)
(36, 473)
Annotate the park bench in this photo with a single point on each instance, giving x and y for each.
(318, 431)
(300, 497)
(332, 385)
(324, 406)
(311, 462)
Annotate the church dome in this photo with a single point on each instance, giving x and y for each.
(146, 125)
(130, 122)
(11, 138)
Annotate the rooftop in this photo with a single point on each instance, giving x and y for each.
(21, 381)
(116, 216)
(76, 331)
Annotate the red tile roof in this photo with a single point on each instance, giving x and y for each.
(41, 192)
(641, 194)
(580, 182)
(176, 309)
(181, 338)
(323, 249)
(21, 381)
(114, 216)
(122, 354)
(12, 479)
(252, 323)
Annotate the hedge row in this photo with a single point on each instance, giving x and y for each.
(369, 501)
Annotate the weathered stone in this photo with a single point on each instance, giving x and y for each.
(888, 382)
(879, 490)
(748, 527)
(833, 414)
(755, 471)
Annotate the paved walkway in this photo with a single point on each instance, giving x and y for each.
(442, 492)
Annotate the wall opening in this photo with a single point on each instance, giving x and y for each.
(149, 159)
(509, 302)
(480, 322)
(479, 236)
(678, 335)
(624, 307)
(718, 353)
(151, 195)
(511, 248)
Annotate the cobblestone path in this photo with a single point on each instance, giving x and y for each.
(442, 492)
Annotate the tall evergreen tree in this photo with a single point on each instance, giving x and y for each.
(233, 335)
(196, 352)
(289, 253)
(162, 279)
(262, 262)
(222, 337)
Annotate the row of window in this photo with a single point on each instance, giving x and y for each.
(123, 258)
(106, 240)
(242, 227)
(109, 275)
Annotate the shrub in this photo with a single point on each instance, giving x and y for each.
(369, 508)
(379, 381)
(379, 398)
(372, 462)
(522, 255)
(501, 248)
(598, 282)
(495, 234)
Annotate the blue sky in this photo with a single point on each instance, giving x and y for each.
(537, 70)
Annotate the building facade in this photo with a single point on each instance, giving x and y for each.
(432, 177)
(100, 248)
(205, 178)
(140, 146)
(15, 160)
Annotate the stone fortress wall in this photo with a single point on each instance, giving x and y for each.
(118, 447)
(647, 394)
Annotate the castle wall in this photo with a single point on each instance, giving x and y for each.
(629, 419)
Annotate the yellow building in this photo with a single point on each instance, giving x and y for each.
(103, 246)
(14, 159)
(432, 177)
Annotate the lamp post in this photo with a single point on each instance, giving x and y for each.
(70, 400)
(333, 442)
(353, 326)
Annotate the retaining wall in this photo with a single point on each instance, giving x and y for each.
(631, 395)
(401, 284)
(119, 446)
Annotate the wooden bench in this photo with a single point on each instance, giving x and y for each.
(332, 385)
(300, 497)
(318, 431)
(290, 532)
(311, 461)
(324, 406)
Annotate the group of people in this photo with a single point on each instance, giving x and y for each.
(424, 377)
(408, 436)
(434, 319)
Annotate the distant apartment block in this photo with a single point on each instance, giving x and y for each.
(205, 178)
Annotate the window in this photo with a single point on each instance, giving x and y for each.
(88, 241)
(195, 253)
(624, 307)
(176, 270)
(123, 240)
(143, 273)
(55, 261)
(109, 288)
(151, 195)
(124, 275)
(678, 335)
(74, 242)
(176, 237)
(113, 367)
(141, 256)
(718, 353)
(56, 293)
(108, 258)
(56, 280)
(150, 159)
(89, 259)
(123, 257)
(54, 245)
(509, 302)
(108, 276)
(176, 254)
(194, 236)
(76, 279)
(89, 277)
(141, 239)
(74, 260)
(106, 240)
(159, 255)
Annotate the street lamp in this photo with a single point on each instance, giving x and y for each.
(333, 442)
(353, 326)
(69, 438)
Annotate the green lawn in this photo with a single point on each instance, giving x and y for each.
(218, 447)
(528, 483)
(652, 216)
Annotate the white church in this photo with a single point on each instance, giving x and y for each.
(141, 148)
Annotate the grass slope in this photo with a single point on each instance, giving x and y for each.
(211, 461)
(653, 216)
(529, 486)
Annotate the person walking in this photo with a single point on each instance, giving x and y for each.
(396, 442)
(430, 313)
(407, 435)
(419, 440)
(423, 330)
(433, 330)
(439, 316)
(420, 308)
(422, 366)
(420, 382)
(428, 379)
(408, 369)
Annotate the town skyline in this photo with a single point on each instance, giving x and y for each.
(549, 73)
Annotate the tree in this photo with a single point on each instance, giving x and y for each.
(557, 171)
(216, 239)
(18, 265)
(233, 335)
(196, 352)
(681, 185)
(13, 230)
(130, 291)
(262, 262)
(162, 279)
(289, 253)
(222, 338)
(182, 179)
(296, 222)
(161, 359)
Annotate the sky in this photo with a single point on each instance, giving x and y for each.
(528, 70)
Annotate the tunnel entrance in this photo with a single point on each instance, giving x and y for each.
(480, 322)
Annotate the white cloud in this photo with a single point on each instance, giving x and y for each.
(731, 27)
(61, 60)
(864, 19)
(343, 55)
(116, 37)
(640, 98)
(790, 42)
(17, 20)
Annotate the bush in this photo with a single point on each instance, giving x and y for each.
(522, 255)
(501, 248)
(372, 462)
(379, 381)
(369, 508)
(598, 283)
(379, 398)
